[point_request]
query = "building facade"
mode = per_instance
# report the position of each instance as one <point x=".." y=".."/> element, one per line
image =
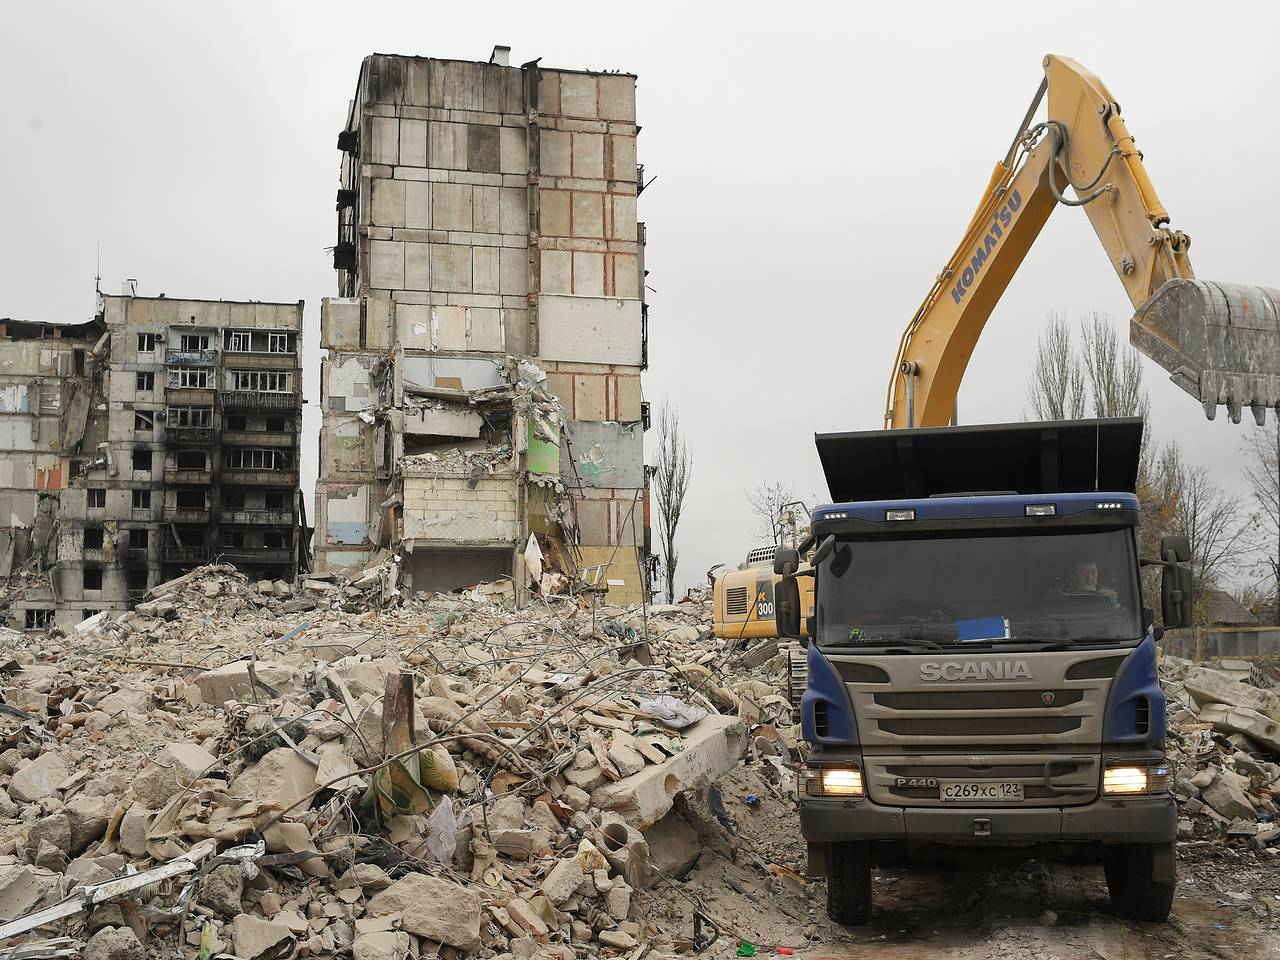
<point x="179" y="445"/>
<point x="482" y="406"/>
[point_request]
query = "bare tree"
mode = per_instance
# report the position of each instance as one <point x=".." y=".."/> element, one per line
<point x="1057" y="387"/>
<point x="1262" y="469"/>
<point x="766" y="502"/>
<point x="1114" y="373"/>
<point x="670" y="484"/>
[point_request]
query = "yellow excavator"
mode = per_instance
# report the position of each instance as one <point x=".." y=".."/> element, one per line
<point x="1220" y="342"/>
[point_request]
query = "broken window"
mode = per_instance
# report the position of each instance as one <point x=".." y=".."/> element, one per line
<point x="233" y="499"/>
<point x="137" y="578"/>
<point x="145" y="382"/>
<point x="77" y="357"/>
<point x="237" y="423"/>
<point x="262" y="381"/>
<point x="96" y="498"/>
<point x="256" y="458"/>
<point x="88" y="612"/>
<point x="139" y="538"/>
<point x="77" y="468"/>
<point x="141" y="499"/>
<point x="143" y="421"/>
<point x="194" y="378"/>
<point x="273" y="540"/>
<point x="195" y="341"/>
<point x="142" y="460"/>
<point x="39" y="619"/>
<point x="190" y="460"/>
<point x="190" y="417"/>
<point x="146" y="343"/>
<point x="233" y="539"/>
<point x="93" y="538"/>
<point x="190" y="499"/>
<point x="277" y="343"/>
<point x="275" y="424"/>
<point x="92" y="577"/>
<point x="239" y="341"/>
<point x="273" y="500"/>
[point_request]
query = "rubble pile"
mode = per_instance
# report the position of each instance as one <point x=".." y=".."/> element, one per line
<point x="267" y="772"/>
<point x="1224" y="734"/>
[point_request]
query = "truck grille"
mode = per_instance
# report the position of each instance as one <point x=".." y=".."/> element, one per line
<point x="979" y="700"/>
<point x="951" y="727"/>
<point x="1074" y="779"/>
<point x="736" y="601"/>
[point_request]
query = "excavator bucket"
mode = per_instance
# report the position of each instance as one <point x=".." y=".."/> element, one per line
<point x="1219" y="341"/>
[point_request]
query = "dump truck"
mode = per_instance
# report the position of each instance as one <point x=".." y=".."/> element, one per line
<point x="981" y="660"/>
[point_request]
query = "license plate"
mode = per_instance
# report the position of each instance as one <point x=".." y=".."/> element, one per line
<point x="980" y="791"/>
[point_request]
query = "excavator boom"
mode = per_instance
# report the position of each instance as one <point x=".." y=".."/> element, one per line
<point x="1220" y="342"/>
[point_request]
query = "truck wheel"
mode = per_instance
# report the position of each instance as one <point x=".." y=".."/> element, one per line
<point x="849" y="884"/>
<point x="1135" y="892"/>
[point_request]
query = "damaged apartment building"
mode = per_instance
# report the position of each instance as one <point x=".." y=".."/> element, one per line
<point x="482" y="407"/>
<point x="161" y="436"/>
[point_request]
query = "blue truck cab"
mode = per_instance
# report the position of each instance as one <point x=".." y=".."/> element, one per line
<point x="981" y="664"/>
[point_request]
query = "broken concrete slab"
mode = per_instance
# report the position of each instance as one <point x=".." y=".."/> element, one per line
<point x="231" y="681"/>
<point x="673" y="845"/>
<point x="255" y="938"/>
<point x="114" y="943"/>
<point x="385" y="945"/>
<point x="281" y="777"/>
<point x="563" y="880"/>
<point x="173" y="769"/>
<point x="23" y="888"/>
<point x="1211" y="686"/>
<point x="712" y="747"/>
<point x="39" y="778"/>
<point x="1254" y="725"/>
<point x="430" y="907"/>
<point x="1228" y="795"/>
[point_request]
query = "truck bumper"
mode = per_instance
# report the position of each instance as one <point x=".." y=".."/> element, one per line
<point x="1145" y="820"/>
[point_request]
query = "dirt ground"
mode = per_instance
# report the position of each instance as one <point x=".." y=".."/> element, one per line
<point x="1228" y="902"/>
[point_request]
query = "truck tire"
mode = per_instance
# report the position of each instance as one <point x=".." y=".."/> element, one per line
<point x="1135" y="892"/>
<point x="849" y="883"/>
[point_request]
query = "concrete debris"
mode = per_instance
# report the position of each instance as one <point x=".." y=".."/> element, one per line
<point x="536" y="801"/>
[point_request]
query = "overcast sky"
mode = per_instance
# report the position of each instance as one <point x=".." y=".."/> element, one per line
<point x="815" y="166"/>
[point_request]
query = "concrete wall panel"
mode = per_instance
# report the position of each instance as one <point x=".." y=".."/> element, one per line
<point x="603" y="454"/>
<point x="590" y="330"/>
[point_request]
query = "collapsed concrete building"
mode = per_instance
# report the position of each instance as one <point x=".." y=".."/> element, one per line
<point x="482" y="406"/>
<point x="161" y="436"/>
<point x="45" y="373"/>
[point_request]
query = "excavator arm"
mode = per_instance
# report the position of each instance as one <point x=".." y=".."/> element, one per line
<point x="1220" y="342"/>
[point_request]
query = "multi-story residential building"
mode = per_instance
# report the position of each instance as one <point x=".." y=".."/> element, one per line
<point x="481" y="397"/>
<point x="189" y="454"/>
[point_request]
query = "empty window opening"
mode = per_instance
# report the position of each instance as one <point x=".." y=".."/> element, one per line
<point x="190" y="499"/>
<point x="92" y="578"/>
<point x="190" y="460"/>
<point x="143" y="421"/>
<point x="273" y="501"/>
<point x="233" y="499"/>
<point x="77" y="358"/>
<point x="93" y="538"/>
<point x="142" y="460"/>
<point x="96" y="498"/>
<point x="136" y="578"/>
<point x="139" y="539"/>
<point x="195" y="341"/>
<point x="77" y="468"/>
<point x="141" y="499"/>
<point x="88" y="612"/>
<point x="39" y="619"/>
<point x="275" y="424"/>
<point x="237" y="423"/>
<point x="273" y="540"/>
<point x="233" y="539"/>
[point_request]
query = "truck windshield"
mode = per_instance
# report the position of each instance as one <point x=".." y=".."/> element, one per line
<point x="958" y="589"/>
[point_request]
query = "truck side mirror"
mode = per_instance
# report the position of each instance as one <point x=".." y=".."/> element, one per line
<point x="786" y="561"/>
<point x="786" y="607"/>
<point x="1175" y="596"/>
<point x="824" y="550"/>
<point x="1180" y="547"/>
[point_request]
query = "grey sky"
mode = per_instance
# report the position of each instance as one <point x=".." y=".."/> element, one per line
<point x="815" y="165"/>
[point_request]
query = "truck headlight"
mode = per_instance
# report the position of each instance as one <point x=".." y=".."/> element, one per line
<point x="1123" y="777"/>
<point x="831" y="781"/>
